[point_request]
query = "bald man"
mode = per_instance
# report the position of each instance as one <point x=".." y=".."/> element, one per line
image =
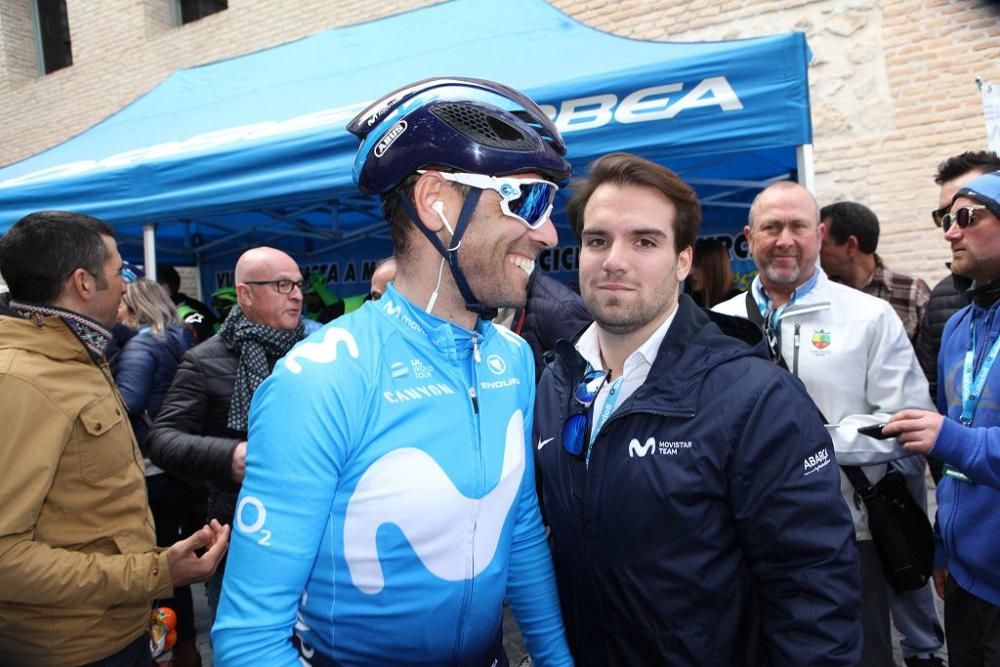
<point x="384" y="273"/>
<point x="201" y="430"/>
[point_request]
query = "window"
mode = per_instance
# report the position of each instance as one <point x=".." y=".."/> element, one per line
<point x="52" y="28"/>
<point x="192" y="10"/>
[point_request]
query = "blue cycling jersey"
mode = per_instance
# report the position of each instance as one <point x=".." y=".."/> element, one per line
<point x="389" y="501"/>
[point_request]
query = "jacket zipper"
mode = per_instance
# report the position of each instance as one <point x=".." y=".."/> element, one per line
<point x="795" y="350"/>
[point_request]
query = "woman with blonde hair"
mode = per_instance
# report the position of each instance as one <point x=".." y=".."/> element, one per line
<point x="144" y="370"/>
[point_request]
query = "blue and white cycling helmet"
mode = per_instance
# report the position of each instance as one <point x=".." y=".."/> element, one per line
<point x="473" y="126"/>
<point x="470" y="125"/>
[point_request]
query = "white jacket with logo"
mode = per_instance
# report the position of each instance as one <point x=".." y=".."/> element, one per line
<point x="852" y="353"/>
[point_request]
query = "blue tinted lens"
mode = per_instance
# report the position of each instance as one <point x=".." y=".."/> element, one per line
<point x="572" y="435"/>
<point x="533" y="203"/>
<point x="591" y="383"/>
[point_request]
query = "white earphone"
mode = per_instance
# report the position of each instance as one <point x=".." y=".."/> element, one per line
<point x="438" y="207"/>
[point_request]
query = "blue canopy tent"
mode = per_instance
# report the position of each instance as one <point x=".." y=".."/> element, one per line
<point x="253" y="149"/>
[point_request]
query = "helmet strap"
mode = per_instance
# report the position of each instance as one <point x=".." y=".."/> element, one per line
<point x="451" y="254"/>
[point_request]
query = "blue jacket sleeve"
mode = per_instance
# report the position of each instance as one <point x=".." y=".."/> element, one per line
<point x="531" y="585"/>
<point x="134" y="376"/>
<point x="278" y="531"/>
<point x="975" y="451"/>
<point x="796" y="529"/>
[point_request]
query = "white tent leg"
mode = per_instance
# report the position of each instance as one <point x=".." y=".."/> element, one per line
<point x="149" y="250"/>
<point x="804" y="163"/>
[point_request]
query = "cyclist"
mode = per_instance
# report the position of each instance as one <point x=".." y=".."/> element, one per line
<point x="389" y="503"/>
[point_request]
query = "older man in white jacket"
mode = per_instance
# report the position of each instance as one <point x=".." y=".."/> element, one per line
<point x="848" y="348"/>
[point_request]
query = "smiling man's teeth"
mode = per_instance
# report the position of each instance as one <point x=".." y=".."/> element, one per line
<point x="526" y="265"/>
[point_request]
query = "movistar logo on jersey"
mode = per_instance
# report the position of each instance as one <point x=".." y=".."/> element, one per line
<point x="409" y="489"/>
<point x="323" y="352"/>
<point x="396" y="311"/>
<point x="418" y="393"/>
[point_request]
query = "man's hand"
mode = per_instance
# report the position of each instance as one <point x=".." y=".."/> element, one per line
<point x="916" y="430"/>
<point x="940" y="578"/>
<point x="239" y="464"/>
<point x="187" y="567"/>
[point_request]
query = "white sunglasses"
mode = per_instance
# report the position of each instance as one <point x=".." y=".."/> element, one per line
<point x="529" y="200"/>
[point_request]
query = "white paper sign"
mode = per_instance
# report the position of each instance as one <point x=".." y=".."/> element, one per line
<point x="991" y="111"/>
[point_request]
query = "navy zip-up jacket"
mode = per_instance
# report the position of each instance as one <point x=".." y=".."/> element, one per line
<point x="727" y="541"/>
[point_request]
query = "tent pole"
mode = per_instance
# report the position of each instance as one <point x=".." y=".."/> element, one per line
<point x="804" y="164"/>
<point x="149" y="249"/>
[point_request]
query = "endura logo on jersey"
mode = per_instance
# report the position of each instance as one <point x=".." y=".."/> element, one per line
<point x="409" y="489"/>
<point x="324" y="352"/>
<point x="496" y="364"/>
<point x="417" y="393"/>
<point x="816" y="461"/>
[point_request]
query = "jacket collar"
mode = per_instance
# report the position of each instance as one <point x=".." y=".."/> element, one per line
<point x="697" y="341"/>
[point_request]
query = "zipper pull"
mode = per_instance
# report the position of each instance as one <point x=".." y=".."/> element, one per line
<point x="795" y="339"/>
<point x="475" y="349"/>
<point x="475" y="401"/>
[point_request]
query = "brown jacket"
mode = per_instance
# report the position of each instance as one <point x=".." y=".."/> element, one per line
<point x="78" y="569"/>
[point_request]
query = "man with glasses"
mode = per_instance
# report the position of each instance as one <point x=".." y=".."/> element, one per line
<point x="966" y="437"/>
<point x="849" y="256"/>
<point x="79" y="567"/>
<point x="948" y="296"/>
<point x="200" y="432"/>
<point x="389" y="503"/>
<point x="690" y="485"/>
<point x="849" y="349"/>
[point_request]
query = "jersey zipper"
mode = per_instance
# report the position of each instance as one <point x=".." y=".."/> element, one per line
<point x="469" y="595"/>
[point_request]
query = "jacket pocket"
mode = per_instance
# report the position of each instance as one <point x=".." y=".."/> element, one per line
<point x="105" y="445"/>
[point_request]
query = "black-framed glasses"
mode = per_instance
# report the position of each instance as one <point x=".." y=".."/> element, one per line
<point x="939" y="213"/>
<point x="283" y="286"/>
<point x="963" y="217"/>
<point x="574" y="432"/>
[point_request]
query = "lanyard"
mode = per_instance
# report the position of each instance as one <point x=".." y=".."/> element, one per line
<point x="771" y="315"/>
<point x="606" y="410"/>
<point x="973" y="385"/>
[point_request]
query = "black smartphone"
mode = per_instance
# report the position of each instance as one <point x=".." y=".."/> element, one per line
<point x="875" y="431"/>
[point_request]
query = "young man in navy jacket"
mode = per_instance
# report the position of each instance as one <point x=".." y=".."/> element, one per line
<point x="690" y="485"/>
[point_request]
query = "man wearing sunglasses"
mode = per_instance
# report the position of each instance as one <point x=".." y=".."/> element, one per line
<point x="389" y="504"/>
<point x="964" y="435"/>
<point x="948" y="296"/>
<point x="689" y="484"/>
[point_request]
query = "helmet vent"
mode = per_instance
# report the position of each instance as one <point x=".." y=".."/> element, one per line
<point x="484" y="128"/>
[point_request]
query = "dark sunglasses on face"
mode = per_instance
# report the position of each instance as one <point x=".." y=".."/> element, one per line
<point x="963" y="217"/>
<point x="575" y="427"/>
<point x="283" y="286"/>
<point x="939" y="213"/>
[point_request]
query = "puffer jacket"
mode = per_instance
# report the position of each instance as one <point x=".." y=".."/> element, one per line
<point x="708" y="528"/>
<point x="553" y="312"/>
<point x="78" y="567"/>
<point x="947" y="298"/>
<point x="144" y="370"/>
<point x="189" y="437"/>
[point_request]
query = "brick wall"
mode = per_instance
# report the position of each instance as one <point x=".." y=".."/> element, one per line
<point x="892" y="81"/>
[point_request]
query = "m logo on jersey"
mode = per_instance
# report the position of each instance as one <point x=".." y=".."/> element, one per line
<point x="410" y="490"/>
<point x="324" y="352"/>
